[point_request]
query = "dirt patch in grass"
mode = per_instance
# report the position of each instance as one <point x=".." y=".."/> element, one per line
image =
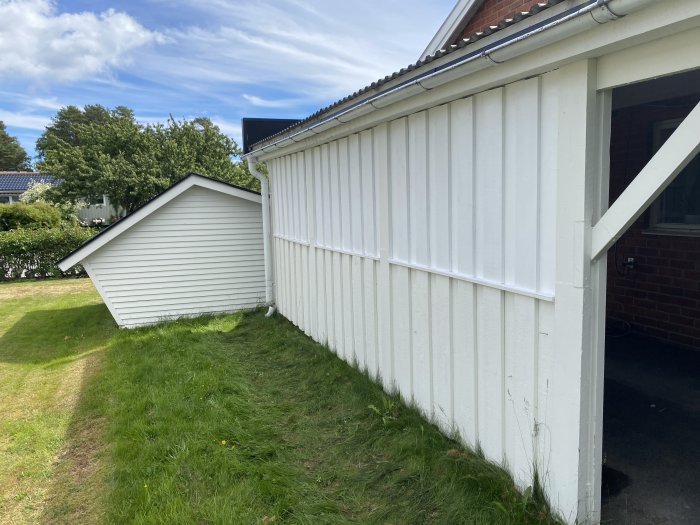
<point x="76" y="495"/>
<point x="43" y="444"/>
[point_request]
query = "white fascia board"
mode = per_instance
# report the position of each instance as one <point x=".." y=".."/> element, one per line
<point x="168" y="195"/>
<point x="458" y="18"/>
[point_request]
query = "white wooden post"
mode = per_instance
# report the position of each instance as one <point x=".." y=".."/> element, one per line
<point x="573" y="388"/>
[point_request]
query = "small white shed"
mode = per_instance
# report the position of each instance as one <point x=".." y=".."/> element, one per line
<point x="195" y="249"/>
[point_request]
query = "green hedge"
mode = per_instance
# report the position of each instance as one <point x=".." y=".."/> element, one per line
<point x="21" y="215"/>
<point x="30" y="253"/>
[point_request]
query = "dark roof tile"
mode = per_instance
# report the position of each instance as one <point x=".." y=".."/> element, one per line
<point x="18" y="181"/>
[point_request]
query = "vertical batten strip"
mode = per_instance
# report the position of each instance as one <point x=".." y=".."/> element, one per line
<point x="418" y="189"/>
<point x="382" y="171"/>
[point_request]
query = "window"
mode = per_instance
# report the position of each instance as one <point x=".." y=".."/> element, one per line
<point x="677" y="210"/>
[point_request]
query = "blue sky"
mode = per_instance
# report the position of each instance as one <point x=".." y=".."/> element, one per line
<point x="216" y="58"/>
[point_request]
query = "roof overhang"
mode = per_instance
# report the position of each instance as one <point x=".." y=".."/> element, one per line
<point x="453" y="25"/>
<point x="569" y="31"/>
<point x="192" y="180"/>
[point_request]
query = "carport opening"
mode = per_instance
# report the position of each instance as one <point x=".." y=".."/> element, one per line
<point x="651" y="418"/>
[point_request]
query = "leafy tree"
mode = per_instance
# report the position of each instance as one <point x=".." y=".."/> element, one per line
<point x="116" y="156"/>
<point x="64" y="126"/>
<point x="12" y="154"/>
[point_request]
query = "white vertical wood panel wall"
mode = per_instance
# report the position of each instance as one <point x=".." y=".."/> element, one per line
<point x="458" y="315"/>
<point x="200" y="253"/>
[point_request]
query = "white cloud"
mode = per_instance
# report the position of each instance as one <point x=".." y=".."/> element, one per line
<point x="232" y="129"/>
<point x="37" y="42"/>
<point x="266" y="103"/>
<point x="45" y="103"/>
<point x="284" y="53"/>
<point x="24" y="120"/>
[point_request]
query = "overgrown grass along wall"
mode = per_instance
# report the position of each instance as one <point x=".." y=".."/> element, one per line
<point x="233" y="419"/>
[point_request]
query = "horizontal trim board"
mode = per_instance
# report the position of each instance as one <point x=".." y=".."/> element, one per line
<point x="475" y="280"/>
<point x="346" y="252"/>
<point x="328" y="249"/>
<point x="289" y="239"/>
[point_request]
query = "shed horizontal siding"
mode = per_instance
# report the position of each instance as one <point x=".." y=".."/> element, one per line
<point x="200" y="253"/>
<point x="453" y="305"/>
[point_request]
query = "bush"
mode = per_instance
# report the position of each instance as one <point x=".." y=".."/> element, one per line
<point x="39" y="191"/>
<point x="34" y="252"/>
<point x="20" y="215"/>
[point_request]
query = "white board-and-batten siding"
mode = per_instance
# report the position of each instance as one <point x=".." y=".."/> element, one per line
<point x="202" y="252"/>
<point x="423" y="250"/>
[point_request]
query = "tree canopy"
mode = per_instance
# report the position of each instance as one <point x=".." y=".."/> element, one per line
<point x="12" y="154"/>
<point x="96" y="151"/>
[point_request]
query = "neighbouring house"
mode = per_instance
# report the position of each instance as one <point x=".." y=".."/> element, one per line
<point x="448" y="227"/>
<point x="195" y="248"/>
<point x="14" y="183"/>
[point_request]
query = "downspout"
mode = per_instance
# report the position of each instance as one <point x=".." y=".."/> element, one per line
<point x="267" y="234"/>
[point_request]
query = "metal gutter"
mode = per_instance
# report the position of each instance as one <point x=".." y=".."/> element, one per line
<point x="554" y="29"/>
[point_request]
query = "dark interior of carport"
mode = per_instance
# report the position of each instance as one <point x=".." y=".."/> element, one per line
<point x="651" y="428"/>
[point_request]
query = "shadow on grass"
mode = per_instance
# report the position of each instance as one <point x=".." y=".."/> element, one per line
<point x="233" y="419"/>
<point x="115" y="411"/>
<point x="49" y="337"/>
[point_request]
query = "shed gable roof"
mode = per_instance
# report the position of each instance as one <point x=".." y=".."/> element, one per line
<point x="193" y="179"/>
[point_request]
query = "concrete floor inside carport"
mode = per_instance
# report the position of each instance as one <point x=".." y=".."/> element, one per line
<point x="651" y="433"/>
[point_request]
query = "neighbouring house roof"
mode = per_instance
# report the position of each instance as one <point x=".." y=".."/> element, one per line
<point x="423" y="65"/>
<point x="116" y="229"/>
<point x="18" y="181"/>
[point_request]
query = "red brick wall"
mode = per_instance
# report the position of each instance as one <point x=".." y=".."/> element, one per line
<point x="661" y="297"/>
<point x="495" y="11"/>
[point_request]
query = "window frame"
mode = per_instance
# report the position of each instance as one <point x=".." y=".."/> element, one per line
<point x="655" y="226"/>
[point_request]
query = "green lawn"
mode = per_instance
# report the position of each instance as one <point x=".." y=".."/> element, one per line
<point x="233" y="420"/>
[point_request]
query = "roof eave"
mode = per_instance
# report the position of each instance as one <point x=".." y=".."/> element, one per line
<point x="446" y="66"/>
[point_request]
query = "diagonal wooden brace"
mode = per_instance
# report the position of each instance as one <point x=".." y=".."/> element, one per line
<point x="678" y="151"/>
